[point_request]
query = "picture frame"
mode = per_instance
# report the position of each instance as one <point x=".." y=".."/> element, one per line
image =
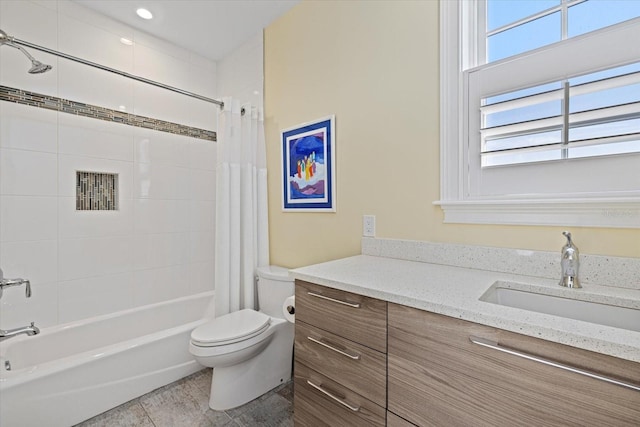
<point x="308" y="166"/>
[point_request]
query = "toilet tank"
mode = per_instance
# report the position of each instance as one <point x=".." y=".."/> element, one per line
<point x="274" y="286"/>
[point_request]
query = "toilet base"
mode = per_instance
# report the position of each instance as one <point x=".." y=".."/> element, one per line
<point x="235" y="385"/>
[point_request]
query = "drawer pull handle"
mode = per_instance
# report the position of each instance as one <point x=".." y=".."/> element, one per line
<point x="332" y="396"/>
<point x="496" y="346"/>
<point x="337" y="350"/>
<point x="349" y="304"/>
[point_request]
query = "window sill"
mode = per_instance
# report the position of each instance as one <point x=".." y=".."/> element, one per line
<point x="609" y="212"/>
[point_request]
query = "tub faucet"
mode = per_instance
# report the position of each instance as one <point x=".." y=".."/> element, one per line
<point x="10" y="333"/>
<point x="570" y="263"/>
<point x="7" y="283"/>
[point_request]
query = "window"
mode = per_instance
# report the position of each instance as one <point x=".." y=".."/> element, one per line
<point x="540" y="120"/>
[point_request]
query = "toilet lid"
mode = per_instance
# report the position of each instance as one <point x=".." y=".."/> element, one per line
<point x="230" y="328"/>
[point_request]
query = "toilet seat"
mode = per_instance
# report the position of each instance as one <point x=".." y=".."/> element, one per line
<point x="231" y="328"/>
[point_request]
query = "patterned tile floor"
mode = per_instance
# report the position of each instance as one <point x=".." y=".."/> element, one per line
<point x="185" y="403"/>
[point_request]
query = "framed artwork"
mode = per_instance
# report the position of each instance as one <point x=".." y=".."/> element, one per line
<point x="308" y="167"/>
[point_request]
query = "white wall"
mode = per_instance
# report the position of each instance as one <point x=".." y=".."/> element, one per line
<point x="160" y="243"/>
<point x="241" y="73"/>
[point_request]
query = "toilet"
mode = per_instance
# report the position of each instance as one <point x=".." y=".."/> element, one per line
<point x="250" y="351"/>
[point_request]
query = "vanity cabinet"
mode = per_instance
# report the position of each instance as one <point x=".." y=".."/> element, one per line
<point x="438" y="376"/>
<point x="361" y="361"/>
<point x="340" y="371"/>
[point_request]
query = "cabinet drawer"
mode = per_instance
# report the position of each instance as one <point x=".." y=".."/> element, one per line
<point x="355" y="366"/>
<point x="395" y="421"/>
<point x="355" y="317"/>
<point x="437" y="376"/>
<point x="317" y="403"/>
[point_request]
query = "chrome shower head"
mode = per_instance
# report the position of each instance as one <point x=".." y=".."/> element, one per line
<point x="37" y="67"/>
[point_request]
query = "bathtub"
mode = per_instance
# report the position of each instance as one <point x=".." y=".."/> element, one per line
<point x="69" y="373"/>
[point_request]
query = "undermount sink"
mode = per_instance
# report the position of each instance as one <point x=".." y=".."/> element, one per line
<point x="602" y="313"/>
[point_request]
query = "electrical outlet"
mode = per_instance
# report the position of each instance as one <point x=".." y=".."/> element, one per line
<point x="369" y="225"/>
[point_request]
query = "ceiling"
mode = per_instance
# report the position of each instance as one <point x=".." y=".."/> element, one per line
<point x="211" y="28"/>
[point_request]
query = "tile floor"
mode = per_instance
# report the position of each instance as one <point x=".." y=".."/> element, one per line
<point x="185" y="403"/>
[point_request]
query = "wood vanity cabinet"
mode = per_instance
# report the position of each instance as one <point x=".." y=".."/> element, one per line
<point x="438" y="377"/>
<point x="340" y="371"/>
<point x="360" y="361"/>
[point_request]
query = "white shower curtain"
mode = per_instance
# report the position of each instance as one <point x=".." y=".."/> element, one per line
<point x="242" y="234"/>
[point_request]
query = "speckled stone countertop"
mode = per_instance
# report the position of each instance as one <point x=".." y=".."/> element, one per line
<point x="455" y="291"/>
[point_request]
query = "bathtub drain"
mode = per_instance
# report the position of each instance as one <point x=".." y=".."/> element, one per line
<point x="7" y="365"/>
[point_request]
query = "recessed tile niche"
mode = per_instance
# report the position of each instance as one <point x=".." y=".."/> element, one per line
<point x="96" y="191"/>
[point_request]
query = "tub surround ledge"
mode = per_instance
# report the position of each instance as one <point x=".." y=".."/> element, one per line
<point x="455" y="291"/>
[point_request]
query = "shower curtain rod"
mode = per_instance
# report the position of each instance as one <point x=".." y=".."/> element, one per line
<point x="118" y="72"/>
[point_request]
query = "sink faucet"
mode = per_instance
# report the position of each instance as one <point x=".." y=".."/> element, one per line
<point x="10" y="333"/>
<point x="570" y="263"/>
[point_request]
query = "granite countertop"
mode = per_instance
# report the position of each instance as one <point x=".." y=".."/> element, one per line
<point x="455" y="292"/>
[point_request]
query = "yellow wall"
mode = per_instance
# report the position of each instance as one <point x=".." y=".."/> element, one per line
<point x="374" y="64"/>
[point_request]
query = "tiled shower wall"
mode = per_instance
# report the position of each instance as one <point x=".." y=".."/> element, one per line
<point x="159" y="244"/>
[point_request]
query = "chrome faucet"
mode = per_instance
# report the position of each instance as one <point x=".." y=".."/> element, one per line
<point x="570" y="262"/>
<point x="10" y="333"/>
<point x="7" y="283"/>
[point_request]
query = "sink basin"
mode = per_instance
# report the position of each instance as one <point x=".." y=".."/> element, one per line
<point x="600" y="313"/>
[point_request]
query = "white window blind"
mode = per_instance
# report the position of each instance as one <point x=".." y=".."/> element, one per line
<point x="542" y="118"/>
<point x="548" y="133"/>
<point x="597" y="114"/>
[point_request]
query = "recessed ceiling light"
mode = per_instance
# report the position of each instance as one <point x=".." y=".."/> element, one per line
<point x="126" y="41"/>
<point x="144" y="13"/>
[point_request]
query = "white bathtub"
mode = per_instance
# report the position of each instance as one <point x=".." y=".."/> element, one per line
<point x="72" y="372"/>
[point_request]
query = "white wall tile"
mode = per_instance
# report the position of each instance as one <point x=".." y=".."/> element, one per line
<point x="81" y="83"/>
<point x="151" y="101"/>
<point x="89" y="297"/>
<point x="83" y="14"/>
<point x="155" y="65"/>
<point x="160" y="284"/>
<point x="36" y="261"/>
<point x="28" y="128"/>
<point x="203" y="154"/>
<point x="202" y="78"/>
<point x="14" y="67"/>
<point x="28" y="173"/>
<point x="26" y="20"/>
<point x="202" y="276"/>
<point x="203" y="185"/>
<point x="202" y="246"/>
<point x="160" y="243"/>
<point x="160" y="216"/>
<point x="158" y="181"/>
<point x="160" y="250"/>
<point x="161" y="148"/>
<point x="161" y="46"/>
<point x="28" y="218"/>
<point x="69" y="165"/>
<point x="92" y="257"/>
<point x="83" y="136"/>
<point x="34" y="23"/>
<point x="202" y="215"/>
<point x="77" y="224"/>
<point x="41" y="308"/>
<point x="94" y="44"/>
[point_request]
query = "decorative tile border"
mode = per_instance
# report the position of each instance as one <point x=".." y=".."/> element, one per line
<point x="619" y="272"/>
<point x="25" y="97"/>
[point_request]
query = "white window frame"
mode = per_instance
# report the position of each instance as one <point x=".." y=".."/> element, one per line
<point x="458" y="47"/>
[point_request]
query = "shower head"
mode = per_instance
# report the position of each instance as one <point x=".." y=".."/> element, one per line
<point x="37" y="67"/>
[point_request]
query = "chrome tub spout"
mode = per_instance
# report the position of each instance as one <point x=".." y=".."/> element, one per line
<point x="10" y="333"/>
